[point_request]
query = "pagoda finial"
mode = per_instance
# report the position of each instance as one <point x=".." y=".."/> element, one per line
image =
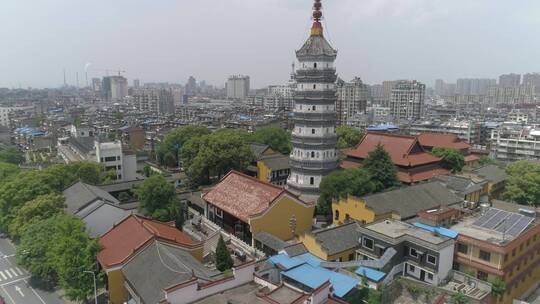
<point x="316" y="28"/>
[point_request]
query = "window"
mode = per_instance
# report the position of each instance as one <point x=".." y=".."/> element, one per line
<point x="110" y="158"/>
<point x="462" y="248"/>
<point x="430" y="276"/>
<point x="311" y="181"/>
<point x="413" y="252"/>
<point x="481" y="275"/>
<point x="431" y="259"/>
<point x="368" y="243"/>
<point x="312" y="154"/>
<point x="219" y="213"/>
<point x="336" y="217"/>
<point x="347" y="217"/>
<point x="351" y="257"/>
<point x="484" y="255"/>
<point x="119" y="167"/>
<point x="312" y="131"/>
<point x="314" y="108"/>
<point x="314" y="86"/>
<point x="514" y="252"/>
<point x="411" y="268"/>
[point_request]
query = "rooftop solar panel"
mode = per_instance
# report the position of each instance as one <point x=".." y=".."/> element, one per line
<point x="484" y="218"/>
<point x="496" y="219"/>
<point x="520" y="226"/>
<point x="509" y="222"/>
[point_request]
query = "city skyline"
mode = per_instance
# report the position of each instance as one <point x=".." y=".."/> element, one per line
<point x="169" y="41"/>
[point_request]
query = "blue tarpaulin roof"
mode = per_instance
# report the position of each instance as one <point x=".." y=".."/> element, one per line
<point x="286" y="261"/>
<point x="370" y="274"/>
<point x="440" y="230"/>
<point x="314" y="277"/>
<point x="310" y="259"/>
<point x="382" y="127"/>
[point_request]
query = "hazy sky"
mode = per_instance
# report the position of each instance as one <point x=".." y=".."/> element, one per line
<point x="168" y="40"/>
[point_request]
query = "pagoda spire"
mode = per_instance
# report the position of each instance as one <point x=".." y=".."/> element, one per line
<point x="316" y="28"/>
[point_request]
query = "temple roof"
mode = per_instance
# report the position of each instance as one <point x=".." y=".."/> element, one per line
<point x="316" y="46"/>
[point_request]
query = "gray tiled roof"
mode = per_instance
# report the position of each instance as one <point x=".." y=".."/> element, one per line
<point x="161" y="265"/>
<point x="80" y="194"/>
<point x="102" y="218"/>
<point x="407" y="201"/>
<point x="492" y="173"/>
<point x="277" y="162"/>
<point x="316" y="46"/>
<point x="83" y="144"/>
<point x="338" y="239"/>
<point x="462" y="185"/>
<point x="270" y="240"/>
<point x="296" y="249"/>
<point x="258" y="149"/>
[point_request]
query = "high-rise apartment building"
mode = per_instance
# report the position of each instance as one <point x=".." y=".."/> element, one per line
<point x="159" y="101"/>
<point x="533" y="80"/>
<point x="114" y="87"/>
<point x="407" y="100"/>
<point x="474" y="86"/>
<point x="351" y="99"/>
<point x="314" y="134"/>
<point x="136" y="83"/>
<point x="509" y="80"/>
<point x="96" y="84"/>
<point x="238" y="87"/>
<point x="191" y="86"/>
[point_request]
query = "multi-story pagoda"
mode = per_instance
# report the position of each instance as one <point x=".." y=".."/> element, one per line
<point x="314" y="135"/>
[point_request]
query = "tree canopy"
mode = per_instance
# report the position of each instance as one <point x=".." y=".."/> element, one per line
<point x="523" y="183"/>
<point x="215" y="154"/>
<point x="223" y="256"/>
<point x="11" y="155"/>
<point x="348" y="137"/>
<point x="27" y="185"/>
<point x="154" y="194"/>
<point x="42" y="207"/>
<point x="58" y="250"/>
<point x="451" y="159"/>
<point x="339" y="184"/>
<point x="277" y="138"/>
<point x="381" y="168"/>
<point x="7" y="170"/>
<point x="169" y="149"/>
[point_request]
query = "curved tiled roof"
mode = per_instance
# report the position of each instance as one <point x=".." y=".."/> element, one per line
<point x="438" y="140"/>
<point x="404" y="150"/>
<point x="128" y="236"/>
<point x="316" y="46"/>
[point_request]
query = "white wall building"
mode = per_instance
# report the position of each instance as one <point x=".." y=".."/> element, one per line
<point x="237" y="87"/>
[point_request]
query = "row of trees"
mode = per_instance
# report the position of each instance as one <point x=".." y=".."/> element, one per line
<point x="53" y="246"/>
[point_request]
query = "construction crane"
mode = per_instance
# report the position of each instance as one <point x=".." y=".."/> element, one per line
<point x="119" y="71"/>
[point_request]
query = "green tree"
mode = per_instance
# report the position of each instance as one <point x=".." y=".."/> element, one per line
<point x="170" y="160"/>
<point x="88" y="172"/>
<point x="215" y="154"/>
<point x="147" y="170"/>
<point x="523" y="183"/>
<point x="451" y="159"/>
<point x="486" y="160"/>
<point x="124" y="197"/>
<point x="42" y="207"/>
<point x="177" y="214"/>
<point x="459" y="298"/>
<point x="154" y="194"/>
<point x="11" y="155"/>
<point x="498" y="287"/>
<point x="7" y="170"/>
<point x="33" y="251"/>
<point x="381" y="168"/>
<point x="339" y="184"/>
<point x="224" y="260"/>
<point x="277" y="138"/>
<point x="347" y="137"/>
<point x="73" y="253"/>
<point x="175" y="140"/>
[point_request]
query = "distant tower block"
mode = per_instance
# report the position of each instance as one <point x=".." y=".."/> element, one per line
<point x="314" y="135"/>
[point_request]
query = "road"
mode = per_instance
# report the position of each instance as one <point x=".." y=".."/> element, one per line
<point x="14" y="281"/>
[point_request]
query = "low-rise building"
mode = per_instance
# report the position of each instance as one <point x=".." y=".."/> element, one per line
<point x="466" y="188"/>
<point x="497" y="244"/>
<point x="513" y="142"/>
<point x="403" y="203"/>
<point x="245" y="206"/>
<point x="417" y="253"/>
<point x="336" y="244"/>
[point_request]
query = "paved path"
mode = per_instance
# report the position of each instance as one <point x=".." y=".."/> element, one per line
<point x="14" y="281"/>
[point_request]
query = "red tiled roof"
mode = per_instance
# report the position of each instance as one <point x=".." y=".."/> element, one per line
<point x="408" y="178"/>
<point x="346" y="164"/>
<point x="132" y="233"/>
<point x="242" y="196"/>
<point x="437" y="140"/>
<point x="404" y="150"/>
<point x="471" y="158"/>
